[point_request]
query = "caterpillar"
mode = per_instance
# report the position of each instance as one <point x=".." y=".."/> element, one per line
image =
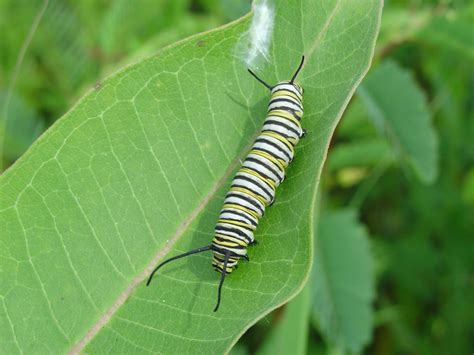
<point x="253" y="187"/>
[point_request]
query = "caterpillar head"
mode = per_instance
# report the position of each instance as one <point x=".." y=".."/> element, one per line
<point x="287" y="84"/>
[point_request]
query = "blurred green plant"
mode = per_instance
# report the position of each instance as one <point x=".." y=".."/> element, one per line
<point x="343" y="281"/>
<point x="75" y="46"/>
<point x="415" y="107"/>
<point x="140" y="165"/>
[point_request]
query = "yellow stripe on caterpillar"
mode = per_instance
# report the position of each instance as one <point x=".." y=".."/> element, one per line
<point x="282" y="93"/>
<point x="284" y="114"/>
<point x="257" y="175"/>
<point x="281" y="164"/>
<point x="251" y="193"/>
<point x="242" y="208"/>
<point x="280" y="138"/>
<point x="237" y="223"/>
<point x="227" y="244"/>
<point x="239" y="241"/>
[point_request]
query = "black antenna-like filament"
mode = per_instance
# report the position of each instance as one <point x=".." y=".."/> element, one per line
<point x="297" y="70"/>
<point x="260" y="80"/>
<point x="226" y="259"/>
<point x="291" y="81"/>
<point x="195" y="251"/>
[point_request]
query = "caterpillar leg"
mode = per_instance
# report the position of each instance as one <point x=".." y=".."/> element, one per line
<point x="303" y="134"/>
<point x="255" y="242"/>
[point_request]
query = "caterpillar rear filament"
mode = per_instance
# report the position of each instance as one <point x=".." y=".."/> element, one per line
<point x="253" y="187"/>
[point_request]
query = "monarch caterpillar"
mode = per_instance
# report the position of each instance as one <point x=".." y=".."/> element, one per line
<point x="253" y="187"/>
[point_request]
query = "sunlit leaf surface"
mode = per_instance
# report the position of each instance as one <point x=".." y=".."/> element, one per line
<point x="138" y="169"/>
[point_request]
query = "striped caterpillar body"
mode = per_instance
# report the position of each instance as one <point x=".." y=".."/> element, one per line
<point x="253" y="187"/>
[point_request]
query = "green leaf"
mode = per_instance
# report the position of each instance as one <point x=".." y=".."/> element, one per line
<point x="290" y="335"/>
<point x="138" y="170"/>
<point x="233" y="9"/>
<point x="184" y="26"/>
<point x="22" y="128"/>
<point x="343" y="281"/>
<point x="468" y="187"/>
<point x="354" y="125"/>
<point x="398" y="107"/>
<point x="400" y="24"/>
<point x="121" y="33"/>
<point x="238" y="349"/>
<point x="361" y="153"/>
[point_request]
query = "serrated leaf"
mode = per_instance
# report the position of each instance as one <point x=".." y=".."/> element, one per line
<point x="398" y="107"/>
<point x="343" y="281"/>
<point x="138" y="169"/>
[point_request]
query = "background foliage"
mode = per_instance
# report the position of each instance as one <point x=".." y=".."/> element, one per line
<point x="393" y="270"/>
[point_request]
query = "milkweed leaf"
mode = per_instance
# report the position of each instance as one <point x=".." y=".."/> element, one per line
<point x="138" y="169"/>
